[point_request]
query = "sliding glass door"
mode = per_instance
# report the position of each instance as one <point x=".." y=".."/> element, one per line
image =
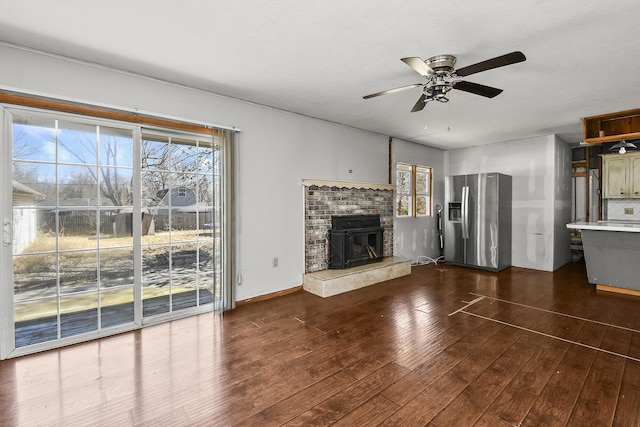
<point x="112" y="226"/>
<point x="178" y="257"/>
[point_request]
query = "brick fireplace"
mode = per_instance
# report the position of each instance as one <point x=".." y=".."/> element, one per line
<point x="324" y="199"/>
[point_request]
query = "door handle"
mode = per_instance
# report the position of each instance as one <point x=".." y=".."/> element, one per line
<point x="7" y="232"/>
<point x="465" y="212"/>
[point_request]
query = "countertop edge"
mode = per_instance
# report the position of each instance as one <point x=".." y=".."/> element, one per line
<point x="584" y="225"/>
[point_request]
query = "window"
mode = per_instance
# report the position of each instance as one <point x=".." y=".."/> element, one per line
<point x="404" y="186"/>
<point x="413" y="190"/>
<point x="423" y="191"/>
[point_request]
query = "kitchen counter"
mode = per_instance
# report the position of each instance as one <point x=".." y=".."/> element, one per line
<point x="628" y="226"/>
<point x="611" y="253"/>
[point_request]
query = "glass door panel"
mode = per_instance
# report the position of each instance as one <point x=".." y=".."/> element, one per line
<point x="116" y="284"/>
<point x="36" y="321"/>
<point x="78" y="314"/>
<point x="177" y="189"/>
<point x="156" y="281"/>
<point x="116" y="306"/>
<point x="72" y="193"/>
<point x="184" y="278"/>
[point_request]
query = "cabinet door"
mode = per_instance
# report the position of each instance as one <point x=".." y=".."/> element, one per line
<point x="634" y="177"/>
<point x="615" y="178"/>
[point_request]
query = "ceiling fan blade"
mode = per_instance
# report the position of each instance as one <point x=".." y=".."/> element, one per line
<point x="477" y="89"/>
<point x="422" y="102"/>
<point x="418" y="65"/>
<point x="398" y="89"/>
<point x="489" y="64"/>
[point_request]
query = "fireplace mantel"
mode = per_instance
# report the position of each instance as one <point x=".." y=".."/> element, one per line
<point x="347" y="184"/>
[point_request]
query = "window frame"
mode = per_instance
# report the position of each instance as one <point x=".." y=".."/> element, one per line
<point x="404" y="167"/>
<point x="413" y="194"/>
<point x="428" y="190"/>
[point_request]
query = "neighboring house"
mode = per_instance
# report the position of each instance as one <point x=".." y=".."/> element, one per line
<point x="177" y="197"/>
<point x="182" y="203"/>
<point x="25" y="224"/>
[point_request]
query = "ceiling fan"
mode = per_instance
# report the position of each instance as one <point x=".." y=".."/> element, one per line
<point x="441" y="77"/>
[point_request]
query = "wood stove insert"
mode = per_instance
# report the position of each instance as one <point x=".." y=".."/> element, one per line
<point x="355" y="240"/>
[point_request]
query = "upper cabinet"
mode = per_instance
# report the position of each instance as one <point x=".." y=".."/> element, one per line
<point x="612" y="127"/>
<point x="621" y="176"/>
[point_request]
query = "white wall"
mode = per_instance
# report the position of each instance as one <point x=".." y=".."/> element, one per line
<point x="414" y="237"/>
<point x="538" y="210"/>
<point x="275" y="151"/>
<point x="562" y="203"/>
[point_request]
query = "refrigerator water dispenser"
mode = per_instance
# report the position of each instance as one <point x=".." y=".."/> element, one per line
<point x="455" y="211"/>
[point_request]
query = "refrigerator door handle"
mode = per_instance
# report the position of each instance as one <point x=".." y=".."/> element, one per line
<point x="465" y="212"/>
<point x="462" y="213"/>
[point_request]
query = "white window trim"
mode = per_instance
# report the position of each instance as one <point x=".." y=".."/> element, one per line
<point x="413" y="193"/>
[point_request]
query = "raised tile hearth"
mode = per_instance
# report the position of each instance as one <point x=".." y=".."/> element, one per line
<point x="327" y="283"/>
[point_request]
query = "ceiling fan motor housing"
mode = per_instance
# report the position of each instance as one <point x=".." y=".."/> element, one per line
<point x="441" y="62"/>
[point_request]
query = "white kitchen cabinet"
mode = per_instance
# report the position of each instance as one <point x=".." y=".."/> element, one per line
<point x="634" y="180"/>
<point x="621" y="176"/>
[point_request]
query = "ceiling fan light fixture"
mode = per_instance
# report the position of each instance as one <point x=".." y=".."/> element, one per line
<point x="623" y="146"/>
<point x="437" y="93"/>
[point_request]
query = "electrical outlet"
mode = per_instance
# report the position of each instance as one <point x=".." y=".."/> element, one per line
<point x="275" y="262"/>
<point x="628" y="211"/>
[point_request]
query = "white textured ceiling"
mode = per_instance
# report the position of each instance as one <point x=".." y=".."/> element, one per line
<point x="318" y="58"/>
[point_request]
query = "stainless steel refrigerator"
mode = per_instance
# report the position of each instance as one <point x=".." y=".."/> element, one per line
<point x="478" y="220"/>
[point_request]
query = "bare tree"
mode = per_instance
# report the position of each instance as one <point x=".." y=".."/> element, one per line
<point x="23" y="147"/>
<point x="178" y="164"/>
<point x="115" y="183"/>
<point x="181" y="163"/>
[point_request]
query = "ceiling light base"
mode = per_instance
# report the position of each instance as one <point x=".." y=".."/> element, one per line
<point x="441" y="62"/>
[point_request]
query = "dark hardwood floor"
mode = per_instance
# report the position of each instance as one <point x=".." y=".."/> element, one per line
<point x="445" y="346"/>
